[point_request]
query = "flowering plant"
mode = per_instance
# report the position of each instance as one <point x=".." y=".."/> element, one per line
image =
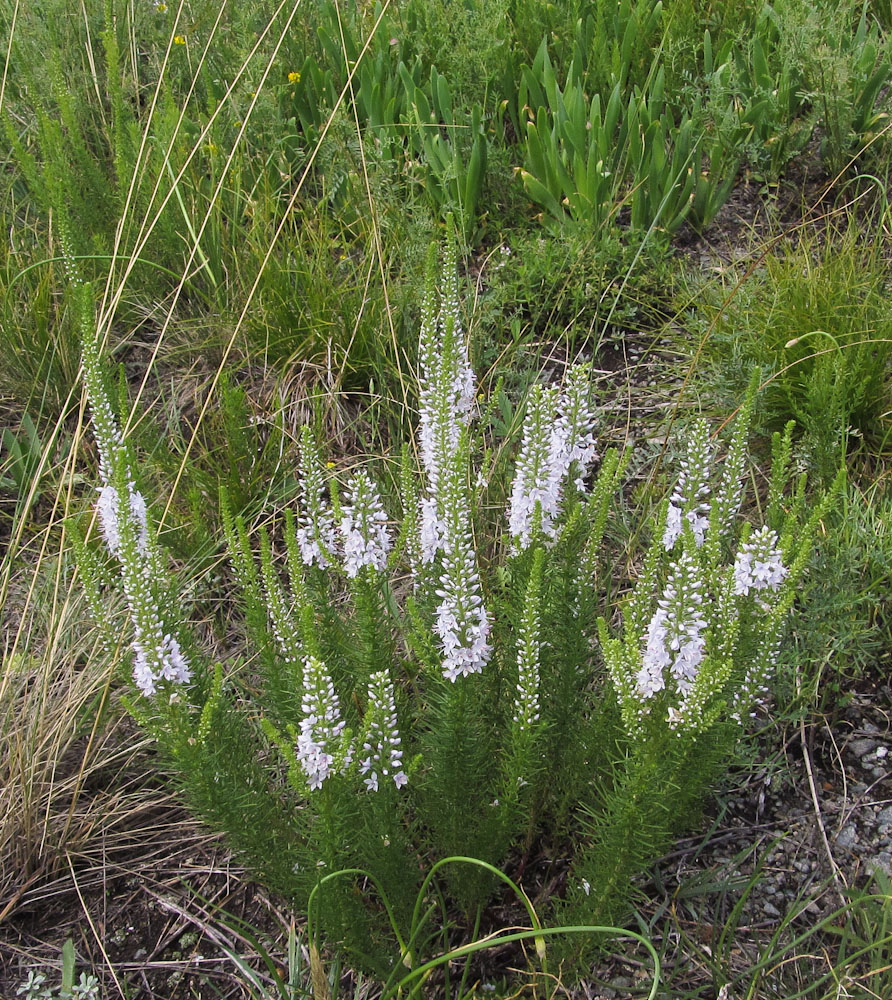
<point x="452" y="688"/>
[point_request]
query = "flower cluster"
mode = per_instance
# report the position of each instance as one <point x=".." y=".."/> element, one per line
<point x="758" y="565"/>
<point x="573" y="442"/>
<point x="557" y="436"/>
<point x="462" y="623"/>
<point x="675" y="635"/>
<point x="162" y="660"/>
<point x="322" y="727"/>
<point x="536" y="489"/>
<point x="708" y="645"/>
<point x="364" y="528"/>
<point x="688" y="501"/>
<point x="385" y="755"/>
<point x="123" y="520"/>
<point x="157" y="653"/>
<point x="316" y="534"/>
<point x="107" y="510"/>
<point x="446" y="383"/>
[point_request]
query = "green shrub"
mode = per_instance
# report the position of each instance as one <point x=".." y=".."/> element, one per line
<point x="815" y="317"/>
<point x="383" y="724"/>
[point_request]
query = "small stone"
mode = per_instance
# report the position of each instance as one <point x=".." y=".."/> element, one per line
<point x="770" y="909"/>
<point x="861" y="747"/>
<point x="882" y="752"/>
<point x="884" y="817"/>
<point x="847" y="837"/>
<point x="881" y="862"/>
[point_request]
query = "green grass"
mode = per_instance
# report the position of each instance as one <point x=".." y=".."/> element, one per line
<point x="258" y="242"/>
<point x="812" y="312"/>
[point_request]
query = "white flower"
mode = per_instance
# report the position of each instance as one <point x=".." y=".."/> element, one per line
<point x="698" y="518"/>
<point x="364" y="528"/>
<point x="385" y="755"/>
<point x="446" y="379"/>
<point x="573" y="439"/>
<point x="156" y="654"/>
<point x="655" y="659"/>
<point x="675" y="636"/>
<point x="107" y="506"/>
<point x="430" y="530"/>
<point x="758" y="565"/>
<point x="673" y="526"/>
<point x="462" y="623"/>
<point x="446" y="384"/>
<point x="688" y="500"/>
<point x="536" y="490"/>
<point x="123" y="521"/>
<point x="557" y="436"/>
<point x="321" y="727"/>
<point x="316" y="533"/>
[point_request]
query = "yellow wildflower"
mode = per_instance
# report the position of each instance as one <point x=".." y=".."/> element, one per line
<point x="179" y="39"/>
<point x="294" y="77"/>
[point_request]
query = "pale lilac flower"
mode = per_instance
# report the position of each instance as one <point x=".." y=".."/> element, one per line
<point x="383" y="746"/>
<point x="675" y="635"/>
<point x="454" y="352"/>
<point x="157" y="654"/>
<point x="573" y="438"/>
<point x="462" y="624"/>
<point x="758" y="565"/>
<point x="316" y="532"/>
<point x="557" y="436"/>
<point x="430" y="530"/>
<point x="688" y="501"/>
<point x="123" y="521"/>
<point x="463" y="628"/>
<point x="107" y="509"/>
<point x="536" y="489"/>
<point x="364" y="528"/>
<point x="651" y="677"/>
<point x="688" y="659"/>
<point x="446" y="379"/>
<point x="446" y="384"/>
<point x="163" y="662"/>
<point x="322" y="727"/>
